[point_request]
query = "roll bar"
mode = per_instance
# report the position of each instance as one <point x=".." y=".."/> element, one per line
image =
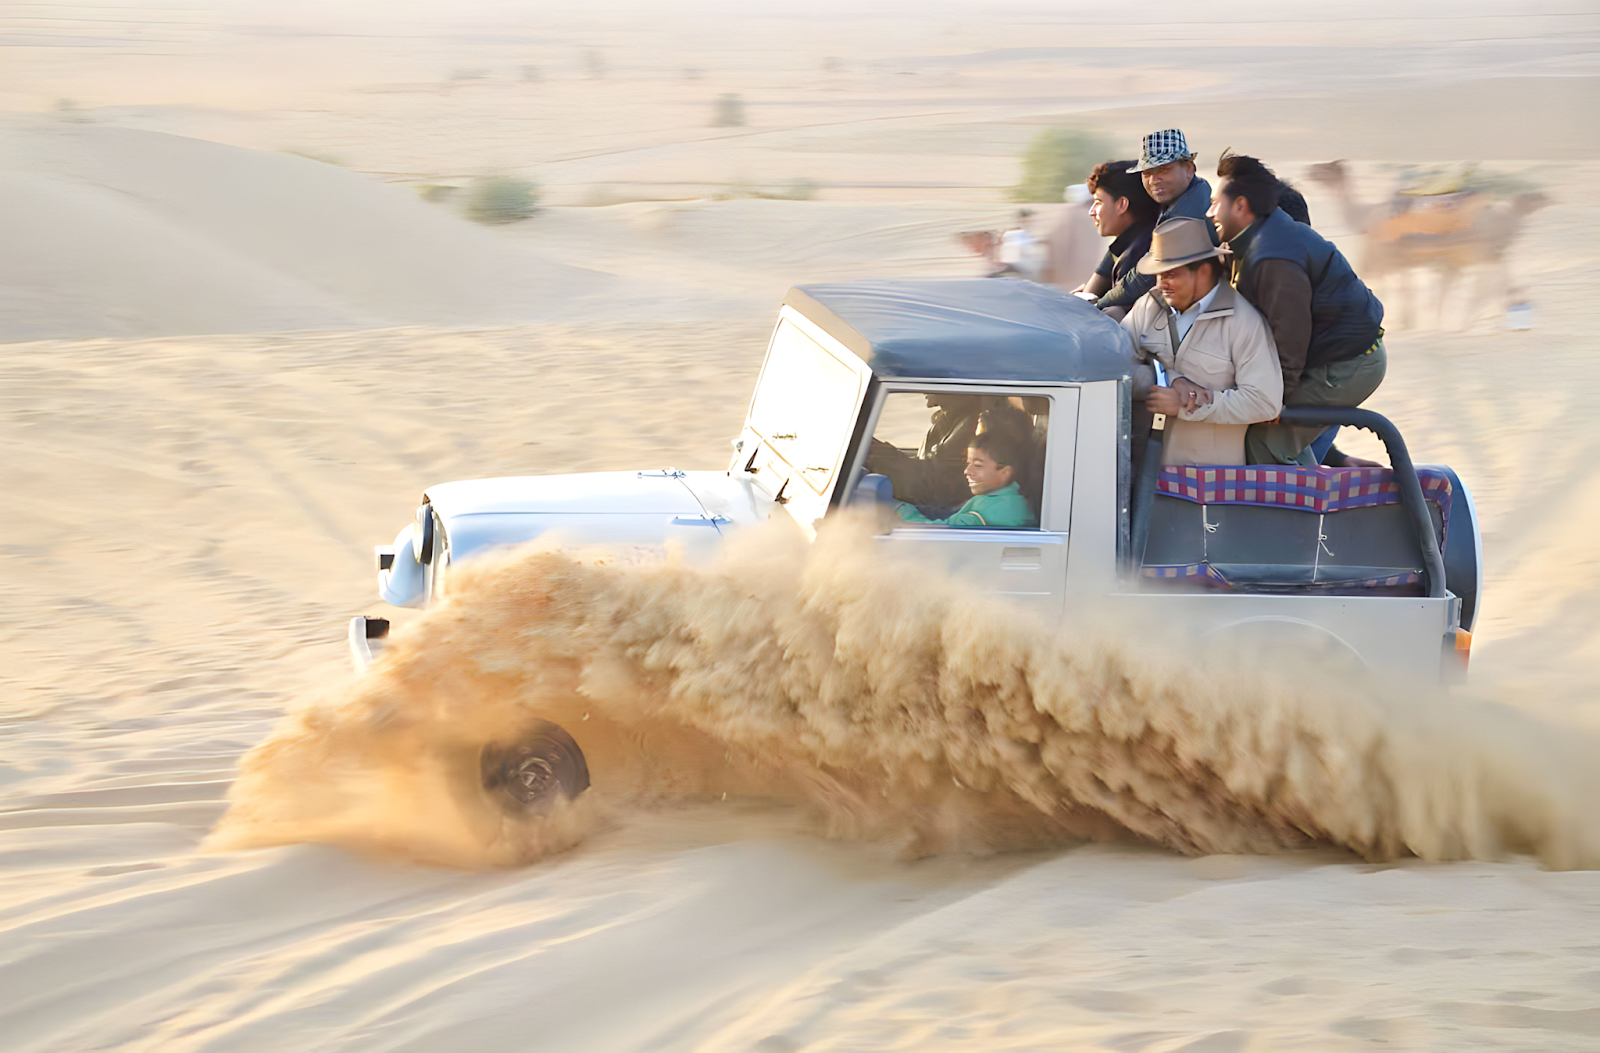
<point x="1405" y="475"/>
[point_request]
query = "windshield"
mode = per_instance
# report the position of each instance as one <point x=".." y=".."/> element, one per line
<point x="806" y="405"/>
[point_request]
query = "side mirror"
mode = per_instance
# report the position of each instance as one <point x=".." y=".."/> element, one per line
<point x="875" y="493"/>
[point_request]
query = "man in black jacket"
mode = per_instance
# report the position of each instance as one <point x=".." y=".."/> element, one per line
<point x="1327" y="324"/>
<point x="1166" y="165"/>
<point x="1124" y="212"/>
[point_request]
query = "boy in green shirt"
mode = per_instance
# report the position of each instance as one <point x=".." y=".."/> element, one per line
<point x="993" y="461"/>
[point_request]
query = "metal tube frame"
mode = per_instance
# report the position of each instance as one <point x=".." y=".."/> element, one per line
<point x="1405" y="475"/>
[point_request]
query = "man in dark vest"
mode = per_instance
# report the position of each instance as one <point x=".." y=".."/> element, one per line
<point x="1327" y="324"/>
<point x="1166" y="166"/>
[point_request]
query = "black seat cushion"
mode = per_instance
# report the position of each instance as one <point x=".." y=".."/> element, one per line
<point x="1266" y="527"/>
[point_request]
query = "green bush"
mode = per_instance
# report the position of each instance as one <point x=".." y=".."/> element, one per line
<point x="1057" y="158"/>
<point x="67" y="110"/>
<point x="798" y="190"/>
<point x="501" y="199"/>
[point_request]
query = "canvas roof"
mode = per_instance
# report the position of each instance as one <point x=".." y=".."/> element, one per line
<point x="968" y="329"/>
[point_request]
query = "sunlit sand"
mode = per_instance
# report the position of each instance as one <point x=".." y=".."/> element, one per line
<point x="240" y="340"/>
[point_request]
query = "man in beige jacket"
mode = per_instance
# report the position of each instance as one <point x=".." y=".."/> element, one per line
<point x="1215" y="346"/>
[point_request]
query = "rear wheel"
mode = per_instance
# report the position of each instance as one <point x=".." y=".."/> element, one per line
<point x="530" y="775"/>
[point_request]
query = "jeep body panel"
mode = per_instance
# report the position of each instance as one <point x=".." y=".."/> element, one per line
<point x="836" y="354"/>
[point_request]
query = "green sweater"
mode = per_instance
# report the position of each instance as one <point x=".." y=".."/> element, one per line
<point x="1005" y="507"/>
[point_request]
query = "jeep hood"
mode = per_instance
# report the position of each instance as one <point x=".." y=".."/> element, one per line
<point x="657" y="492"/>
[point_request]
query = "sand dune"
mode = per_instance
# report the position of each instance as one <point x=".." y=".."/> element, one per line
<point x="194" y="535"/>
<point x="122" y="232"/>
<point x="190" y="518"/>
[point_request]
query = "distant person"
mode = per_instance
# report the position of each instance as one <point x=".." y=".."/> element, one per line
<point x="993" y="462"/>
<point x="1167" y="167"/>
<point x="1124" y="212"/>
<point x="1074" y="245"/>
<point x="1326" y="323"/>
<point x="1019" y="252"/>
<point x="1214" y="345"/>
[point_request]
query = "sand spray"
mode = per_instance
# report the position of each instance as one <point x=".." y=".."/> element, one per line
<point x="896" y="705"/>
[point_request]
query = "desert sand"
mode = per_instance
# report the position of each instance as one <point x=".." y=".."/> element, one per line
<point x="238" y="343"/>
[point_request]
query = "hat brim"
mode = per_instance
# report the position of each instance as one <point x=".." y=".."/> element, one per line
<point x="1150" y="265"/>
<point x="1144" y="166"/>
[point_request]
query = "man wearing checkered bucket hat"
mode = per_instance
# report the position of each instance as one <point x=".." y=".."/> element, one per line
<point x="1167" y="167"/>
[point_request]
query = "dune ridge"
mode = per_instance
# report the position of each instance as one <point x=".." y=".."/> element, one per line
<point x="192" y="518"/>
<point x="125" y="232"/>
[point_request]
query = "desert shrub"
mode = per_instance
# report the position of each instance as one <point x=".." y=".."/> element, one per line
<point x="727" y="111"/>
<point x="1057" y="158"/>
<point x="501" y="199"/>
<point x="743" y="189"/>
<point x="67" y="110"/>
<point x="798" y="190"/>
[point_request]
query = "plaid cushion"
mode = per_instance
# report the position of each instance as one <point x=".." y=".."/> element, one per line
<point x="1291" y="486"/>
<point x="1175" y="571"/>
<point x="1213" y="576"/>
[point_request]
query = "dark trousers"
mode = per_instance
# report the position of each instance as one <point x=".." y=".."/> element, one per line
<point x="1346" y="383"/>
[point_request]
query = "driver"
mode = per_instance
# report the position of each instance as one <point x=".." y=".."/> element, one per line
<point x="933" y="477"/>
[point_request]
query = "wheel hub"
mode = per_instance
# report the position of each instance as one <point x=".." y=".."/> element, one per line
<point x="534" y="778"/>
<point x="531" y="775"/>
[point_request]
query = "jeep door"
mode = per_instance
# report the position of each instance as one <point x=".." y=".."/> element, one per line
<point x="919" y="437"/>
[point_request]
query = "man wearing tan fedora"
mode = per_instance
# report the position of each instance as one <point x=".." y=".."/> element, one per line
<point x="1214" y="345"/>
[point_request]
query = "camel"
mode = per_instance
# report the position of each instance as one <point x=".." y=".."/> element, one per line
<point x="1067" y="254"/>
<point x="985" y="244"/>
<point x="1444" y="233"/>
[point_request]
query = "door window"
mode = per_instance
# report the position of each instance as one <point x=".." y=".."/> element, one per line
<point x="964" y="458"/>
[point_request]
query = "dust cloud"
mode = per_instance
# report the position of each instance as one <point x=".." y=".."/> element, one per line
<point x="897" y="707"/>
